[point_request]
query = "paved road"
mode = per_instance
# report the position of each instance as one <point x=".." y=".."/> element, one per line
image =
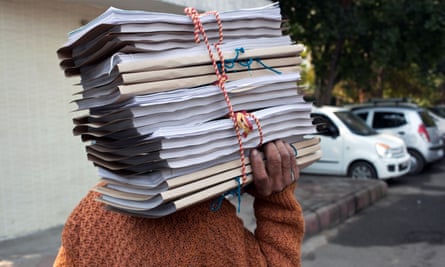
<point x="407" y="228"/>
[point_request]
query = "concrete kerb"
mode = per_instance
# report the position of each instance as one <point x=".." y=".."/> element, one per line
<point x="328" y="216"/>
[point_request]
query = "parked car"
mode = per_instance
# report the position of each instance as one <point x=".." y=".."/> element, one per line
<point x="408" y="121"/>
<point x="351" y="148"/>
<point x="438" y="115"/>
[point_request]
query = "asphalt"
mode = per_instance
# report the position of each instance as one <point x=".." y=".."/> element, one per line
<point x="326" y="201"/>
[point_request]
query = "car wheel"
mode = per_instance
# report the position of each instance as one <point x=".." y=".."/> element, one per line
<point x="417" y="162"/>
<point x="362" y="170"/>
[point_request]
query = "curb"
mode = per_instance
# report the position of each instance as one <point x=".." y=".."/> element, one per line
<point x="330" y="215"/>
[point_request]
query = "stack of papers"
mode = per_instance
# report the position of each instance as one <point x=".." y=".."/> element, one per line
<point x="159" y="127"/>
<point x="141" y="199"/>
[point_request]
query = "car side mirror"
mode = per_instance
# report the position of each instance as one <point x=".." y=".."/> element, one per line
<point x="327" y="129"/>
<point x="333" y="131"/>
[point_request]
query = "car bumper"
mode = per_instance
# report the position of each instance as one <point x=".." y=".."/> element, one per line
<point x="435" y="153"/>
<point x="394" y="167"/>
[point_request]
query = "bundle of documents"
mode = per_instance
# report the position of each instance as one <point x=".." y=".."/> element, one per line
<point x="160" y="125"/>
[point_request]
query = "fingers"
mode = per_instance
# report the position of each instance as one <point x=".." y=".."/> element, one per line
<point x="274" y="174"/>
<point x="286" y="165"/>
<point x="261" y="177"/>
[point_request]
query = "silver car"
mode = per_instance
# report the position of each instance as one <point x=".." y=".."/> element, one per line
<point x="413" y="124"/>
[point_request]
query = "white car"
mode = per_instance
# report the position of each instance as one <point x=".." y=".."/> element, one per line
<point x="351" y="148"/>
<point x="409" y="122"/>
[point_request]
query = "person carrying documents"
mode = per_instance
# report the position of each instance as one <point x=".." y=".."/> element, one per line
<point x="184" y="110"/>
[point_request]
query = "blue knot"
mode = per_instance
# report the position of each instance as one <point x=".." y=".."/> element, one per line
<point x="216" y="204"/>
<point x="230" y="63"/>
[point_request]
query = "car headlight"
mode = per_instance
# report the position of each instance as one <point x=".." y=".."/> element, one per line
<point x="383" y="150"/>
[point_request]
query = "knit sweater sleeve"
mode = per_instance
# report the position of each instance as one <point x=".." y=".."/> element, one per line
<point x="280" y="227"/>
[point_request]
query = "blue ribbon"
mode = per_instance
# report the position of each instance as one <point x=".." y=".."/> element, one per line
<point x="230" y="63"/>
<point x="216" y="204"/>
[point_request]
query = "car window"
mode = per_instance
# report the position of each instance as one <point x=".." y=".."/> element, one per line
<point x="354" y="123"/>
<point x="426" y="119"/>
<point x="388" y="120"/>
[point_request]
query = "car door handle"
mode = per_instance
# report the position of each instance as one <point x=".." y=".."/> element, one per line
<point x="401" y="133"/>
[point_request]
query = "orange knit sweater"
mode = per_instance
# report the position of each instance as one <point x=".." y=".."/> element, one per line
<point x="195" y="236"/>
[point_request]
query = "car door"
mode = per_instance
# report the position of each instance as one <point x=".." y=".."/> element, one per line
<point x="331" y="161"/>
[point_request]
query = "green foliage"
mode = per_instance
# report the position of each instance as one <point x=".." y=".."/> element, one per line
<point x="378" y="47"/>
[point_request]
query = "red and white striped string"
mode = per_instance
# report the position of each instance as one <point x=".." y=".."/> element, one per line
<point x="240" y="119"/>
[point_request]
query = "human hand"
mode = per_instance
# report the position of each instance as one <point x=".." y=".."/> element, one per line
<point x="279" y="170"/>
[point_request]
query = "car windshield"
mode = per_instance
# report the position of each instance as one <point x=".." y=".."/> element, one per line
<point x="354" y="123"/>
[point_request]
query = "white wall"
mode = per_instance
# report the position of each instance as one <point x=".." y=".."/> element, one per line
<point x="43" y="168"/>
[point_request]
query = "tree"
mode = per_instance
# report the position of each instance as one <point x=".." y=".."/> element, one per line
<point x="363" y="42"/>
<point x="330" y="24"/>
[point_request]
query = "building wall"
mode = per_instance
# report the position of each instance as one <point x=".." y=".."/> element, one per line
<point x="43" y="168"/>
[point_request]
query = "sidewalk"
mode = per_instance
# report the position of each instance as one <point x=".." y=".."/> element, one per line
<point x="326" y="202"/>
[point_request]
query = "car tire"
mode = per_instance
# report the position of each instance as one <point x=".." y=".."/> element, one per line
<point x="362" y="170"/>
<point x="417" y="162"/>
